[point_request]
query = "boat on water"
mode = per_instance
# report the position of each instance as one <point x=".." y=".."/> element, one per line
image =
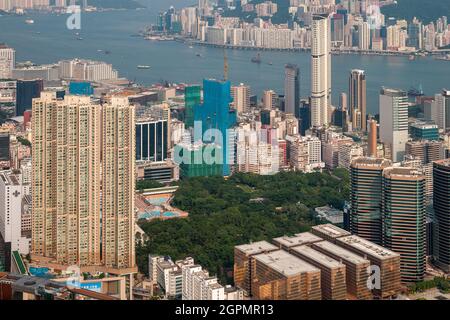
<point x="191" y="47"/>
<point x="198" y="55"/>
<point x="256" y="59"/>
<point x="444" y="57"/>
<point x="29" y="21"/>
<point x="143" y="67"/>
<point x="270" y="63"/>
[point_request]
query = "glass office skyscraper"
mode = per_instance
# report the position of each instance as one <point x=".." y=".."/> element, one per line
<point x="151" y="140"/>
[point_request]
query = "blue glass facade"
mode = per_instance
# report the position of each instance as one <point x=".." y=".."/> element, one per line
<point x="81" y="88"/>
<point x="215" y="113"/>
<point x="26" y="91"/>
<point x="424" y="132"/>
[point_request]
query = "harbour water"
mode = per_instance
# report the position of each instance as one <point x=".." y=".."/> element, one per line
<point x="48" y="40"/>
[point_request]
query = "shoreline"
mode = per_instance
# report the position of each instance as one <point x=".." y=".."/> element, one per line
<point x="334" y="52"/>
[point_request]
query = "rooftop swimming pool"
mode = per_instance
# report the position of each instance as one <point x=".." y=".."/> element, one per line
<point x="40" y="272"/>
<point x="157" y="201"/>
<point x="158" y="214"/>
<point x="170" y="214"/>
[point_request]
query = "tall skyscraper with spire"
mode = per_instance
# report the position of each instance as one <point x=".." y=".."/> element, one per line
<point x="320" y="70"/>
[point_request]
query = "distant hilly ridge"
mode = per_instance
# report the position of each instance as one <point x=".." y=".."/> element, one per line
<point x="425" y="10"/>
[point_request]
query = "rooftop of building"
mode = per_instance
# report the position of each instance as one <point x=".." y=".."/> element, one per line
<point x="34" y="285"/>
<point x="318" y="257"/>
<point x="443" y="163"/>
<point x="423" y="142"/>
<point x="370" y="163"/>
<point x="358" y="71"/>
<point x="393" y="92"/>
<point x="368" y="247"/>
<point x="344" y="254"/>
<point x="167" y="264"/>
<point x="35" y="67"/>
<point x="291" y="66"/>
<point x="87" y="61"/>
<point x="285" y="263"/>
<point x="10" y="178"/>
<point x="297" y="240"/>
<point x="331" y="230"/>
<point x="31" y="284"/>
<point x="256" y="247"/>
<point x="403" y="173"/>
<point x="320" y="16"/>
<point x="424" y="125"/>
<point x="215" y="286"/>
<point x="4" y="46"/>
<point x="188" y="261"/>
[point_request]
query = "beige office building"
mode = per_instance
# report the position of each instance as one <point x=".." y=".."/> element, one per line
<point x="332" y="272"/>
<point x="356" y="268"/>
<point x="243" y="261"/>
<point x="386" y="260"/>
<point x="279" y="275"/>
<point x="300" y="239"/>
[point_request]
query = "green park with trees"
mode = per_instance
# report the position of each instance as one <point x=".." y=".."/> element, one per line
<point x="224" y="213"/>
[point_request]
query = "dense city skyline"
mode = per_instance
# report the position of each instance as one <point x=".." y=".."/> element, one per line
<point x="208" y="190"/>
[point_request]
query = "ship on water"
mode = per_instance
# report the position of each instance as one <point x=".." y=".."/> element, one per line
<point x="256" y="59"/>
<point x="443" y="57"/>
<point x="29" y="21"/>
<point x="143" y="67"/>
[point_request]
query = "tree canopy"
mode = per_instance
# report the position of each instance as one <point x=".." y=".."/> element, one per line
<point x="224" y="213"/>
